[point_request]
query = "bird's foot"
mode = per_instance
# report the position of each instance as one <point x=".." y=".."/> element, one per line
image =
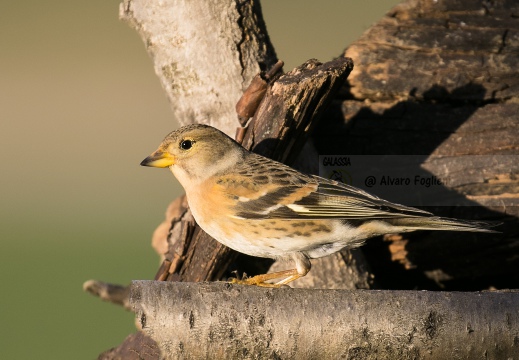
<point x="261" y="280"/>
<point x="255" y="280"/>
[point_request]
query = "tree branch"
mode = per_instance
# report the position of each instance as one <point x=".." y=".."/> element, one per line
<point x="204" y="53"/>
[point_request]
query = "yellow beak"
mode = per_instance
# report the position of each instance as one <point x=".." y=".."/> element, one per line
<point x="159" y="159"/>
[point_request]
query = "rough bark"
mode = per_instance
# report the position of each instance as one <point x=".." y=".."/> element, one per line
<point x="438" y="81"/>
<point x="219" y="320"/>
<point x="292" y="107"/>
<point x="137" y="346"/>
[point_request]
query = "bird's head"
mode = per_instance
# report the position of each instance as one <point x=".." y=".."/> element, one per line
<point x="195" y="152"/>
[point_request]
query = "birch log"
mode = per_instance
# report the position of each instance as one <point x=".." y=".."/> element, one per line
<point x="219" y="320"/>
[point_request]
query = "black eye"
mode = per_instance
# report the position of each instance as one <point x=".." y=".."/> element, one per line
<point x="186" y="144"/>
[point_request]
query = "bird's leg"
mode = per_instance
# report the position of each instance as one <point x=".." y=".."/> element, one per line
<point x="303" y="266"/>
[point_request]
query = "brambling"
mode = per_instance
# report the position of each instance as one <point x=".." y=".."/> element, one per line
<point x="263" y="208"/>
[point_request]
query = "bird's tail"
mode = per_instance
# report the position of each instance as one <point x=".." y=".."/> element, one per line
<point x="439" y="223"/>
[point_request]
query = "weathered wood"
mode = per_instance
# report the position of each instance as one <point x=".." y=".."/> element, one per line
<point x="444" y="50"/>
<point x="292" y="107"/>
<point x="249" y="102"/>
<point x="136" y="346"/>
<point x="439" y="80"/>
<point x="219" y="320"/>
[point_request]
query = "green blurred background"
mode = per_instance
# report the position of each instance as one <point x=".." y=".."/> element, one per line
<point x="80" y="107"/>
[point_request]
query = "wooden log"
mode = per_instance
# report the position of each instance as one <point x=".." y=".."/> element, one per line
<point x="219" y="320"/>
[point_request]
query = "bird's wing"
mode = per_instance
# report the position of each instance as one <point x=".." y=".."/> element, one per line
<point x="274" y="190"/>
<point x="333" y="199"/>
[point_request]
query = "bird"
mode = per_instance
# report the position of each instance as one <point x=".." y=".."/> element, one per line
<point x="263" y="208"/>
